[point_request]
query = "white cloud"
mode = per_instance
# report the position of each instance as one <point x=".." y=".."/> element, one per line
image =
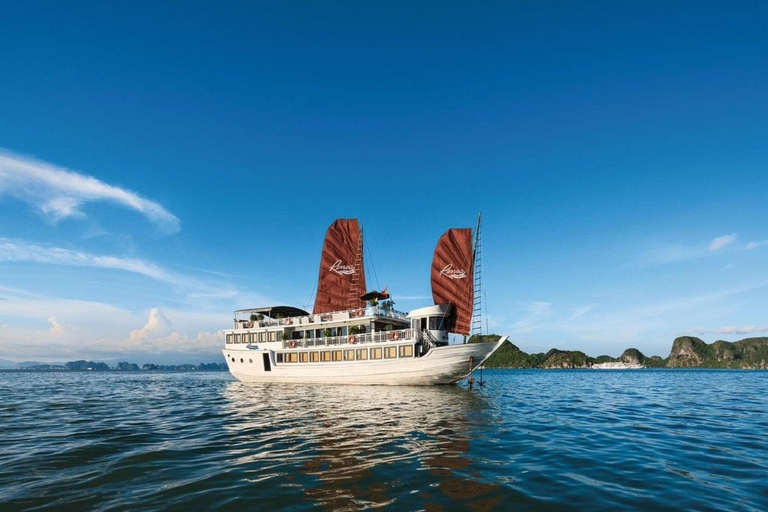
<point x="722" y="242"/>
<point x="732" y="329"/>
<point x="755" y="245"/>
<point x="535" y="314"/>
<point x="19" y="250"/>
<point x="195" y="290"/>
<point x="57" y="328"/>
<point x="675" y="253"/>
<point x="157" y="326"/>
<point x="580" y="312"/>
<point x="59" y="193"/>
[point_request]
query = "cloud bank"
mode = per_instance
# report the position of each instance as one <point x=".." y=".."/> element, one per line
<point x="732" y="329"/>
<point x="17" y="250"/>
<point x="59" y="193"/>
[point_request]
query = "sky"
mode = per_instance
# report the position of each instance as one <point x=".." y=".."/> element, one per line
<point x="163" y="164"/>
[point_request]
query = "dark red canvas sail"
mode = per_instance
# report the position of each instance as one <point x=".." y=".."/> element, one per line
<point x="452" y="282"/>
<point x="342" y="276"/>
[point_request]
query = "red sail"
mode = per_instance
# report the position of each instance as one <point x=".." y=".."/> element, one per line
<point x="342" y="276"/>
<point x="452" y="282"/>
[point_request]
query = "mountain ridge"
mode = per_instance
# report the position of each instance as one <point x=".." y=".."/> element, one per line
<point x="686" y="352"/>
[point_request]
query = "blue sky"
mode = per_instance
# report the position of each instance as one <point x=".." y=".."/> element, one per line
<point x="165" y="163"/>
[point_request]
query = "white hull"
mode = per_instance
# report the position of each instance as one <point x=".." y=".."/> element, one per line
<point x="617" y="366"/>
<point x="441" y="365"/>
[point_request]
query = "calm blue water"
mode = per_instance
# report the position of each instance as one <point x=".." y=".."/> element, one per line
<point x="528" y="440"/>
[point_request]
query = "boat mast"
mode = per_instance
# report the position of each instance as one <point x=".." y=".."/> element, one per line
<point x="477" y="306"/>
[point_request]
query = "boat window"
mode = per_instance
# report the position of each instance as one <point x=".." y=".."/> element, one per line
<point x="362" y="353"/>
<point x="291" y="357"/>
<point x="279" y="356"/>
<point x="376" y="353"/>
<point x="390" y="352"/>
<point x="314" y="356"/>
<point x="406" y="351"/>
<point x="272" y="336"/>
<point x="349" y="354"/>
<point x="337" y="355"/>
<point x="325" y="355"/>
<point x="229" y="338"/>
<point x="303" y="357"/>
<point x="438" y="323"/>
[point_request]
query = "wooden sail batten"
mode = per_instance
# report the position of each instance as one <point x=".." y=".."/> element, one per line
<point x="342" y="274"/>
<point x="452" y="276"/>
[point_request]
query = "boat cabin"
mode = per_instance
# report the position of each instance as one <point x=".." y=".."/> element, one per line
<point x="294" y="328"/>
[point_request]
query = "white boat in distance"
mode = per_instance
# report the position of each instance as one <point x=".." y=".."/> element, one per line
<point x="617" y="365"/>
<point x="354" y="337"/>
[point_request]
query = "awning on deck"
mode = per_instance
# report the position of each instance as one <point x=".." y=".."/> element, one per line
<point x="274" y="311"/>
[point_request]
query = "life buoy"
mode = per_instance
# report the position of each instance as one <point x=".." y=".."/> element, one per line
<point x="394" y="336"/>
<point x="352" y="340"/>
<point x="359" y="313"/>
<point x="291" y="344"/>
<point x="250" y="325"/>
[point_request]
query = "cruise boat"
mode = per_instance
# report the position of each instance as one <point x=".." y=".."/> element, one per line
<point x="357" y="337"/>
<point x="617" y="365"/>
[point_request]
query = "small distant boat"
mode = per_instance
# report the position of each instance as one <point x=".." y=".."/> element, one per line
<point x="617" y="365"/>
<point x="354" y="337"/>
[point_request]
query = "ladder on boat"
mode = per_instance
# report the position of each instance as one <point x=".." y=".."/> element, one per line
<point x="355" y="291"/>
<point x="477" y="304"/>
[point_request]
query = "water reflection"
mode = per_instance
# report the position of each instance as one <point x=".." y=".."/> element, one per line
<point x="348" y="447"/>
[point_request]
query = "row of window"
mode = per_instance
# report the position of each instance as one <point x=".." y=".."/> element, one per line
<point x="261" y="337"/>
<point x="348" y="354"/>
<point x="251" y="337"/>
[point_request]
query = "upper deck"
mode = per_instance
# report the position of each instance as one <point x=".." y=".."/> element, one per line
<point x="288" y="317"/>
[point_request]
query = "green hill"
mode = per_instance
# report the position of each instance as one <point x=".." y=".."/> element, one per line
<point x="691" y="352"/>
<point x="687" y="352"/>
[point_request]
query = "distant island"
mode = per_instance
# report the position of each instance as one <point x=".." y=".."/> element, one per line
<point x="687" y="352"/>
<point x="82" y="365"/>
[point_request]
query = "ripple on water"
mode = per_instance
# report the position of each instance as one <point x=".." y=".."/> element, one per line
<point x="531" y="440"/>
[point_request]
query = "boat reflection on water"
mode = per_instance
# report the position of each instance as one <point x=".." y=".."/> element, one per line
<point x="350" y="447"/>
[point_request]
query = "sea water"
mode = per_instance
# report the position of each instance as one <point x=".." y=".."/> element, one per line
<point x="526" y="440"/>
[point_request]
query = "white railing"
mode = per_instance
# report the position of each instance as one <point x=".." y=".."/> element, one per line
<point x="351" y="339"/>
<point x="368" y="311"/>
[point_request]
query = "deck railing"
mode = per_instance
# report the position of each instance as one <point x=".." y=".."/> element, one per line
<point x="369" y="311"/>
<point x="351" y="339"/>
